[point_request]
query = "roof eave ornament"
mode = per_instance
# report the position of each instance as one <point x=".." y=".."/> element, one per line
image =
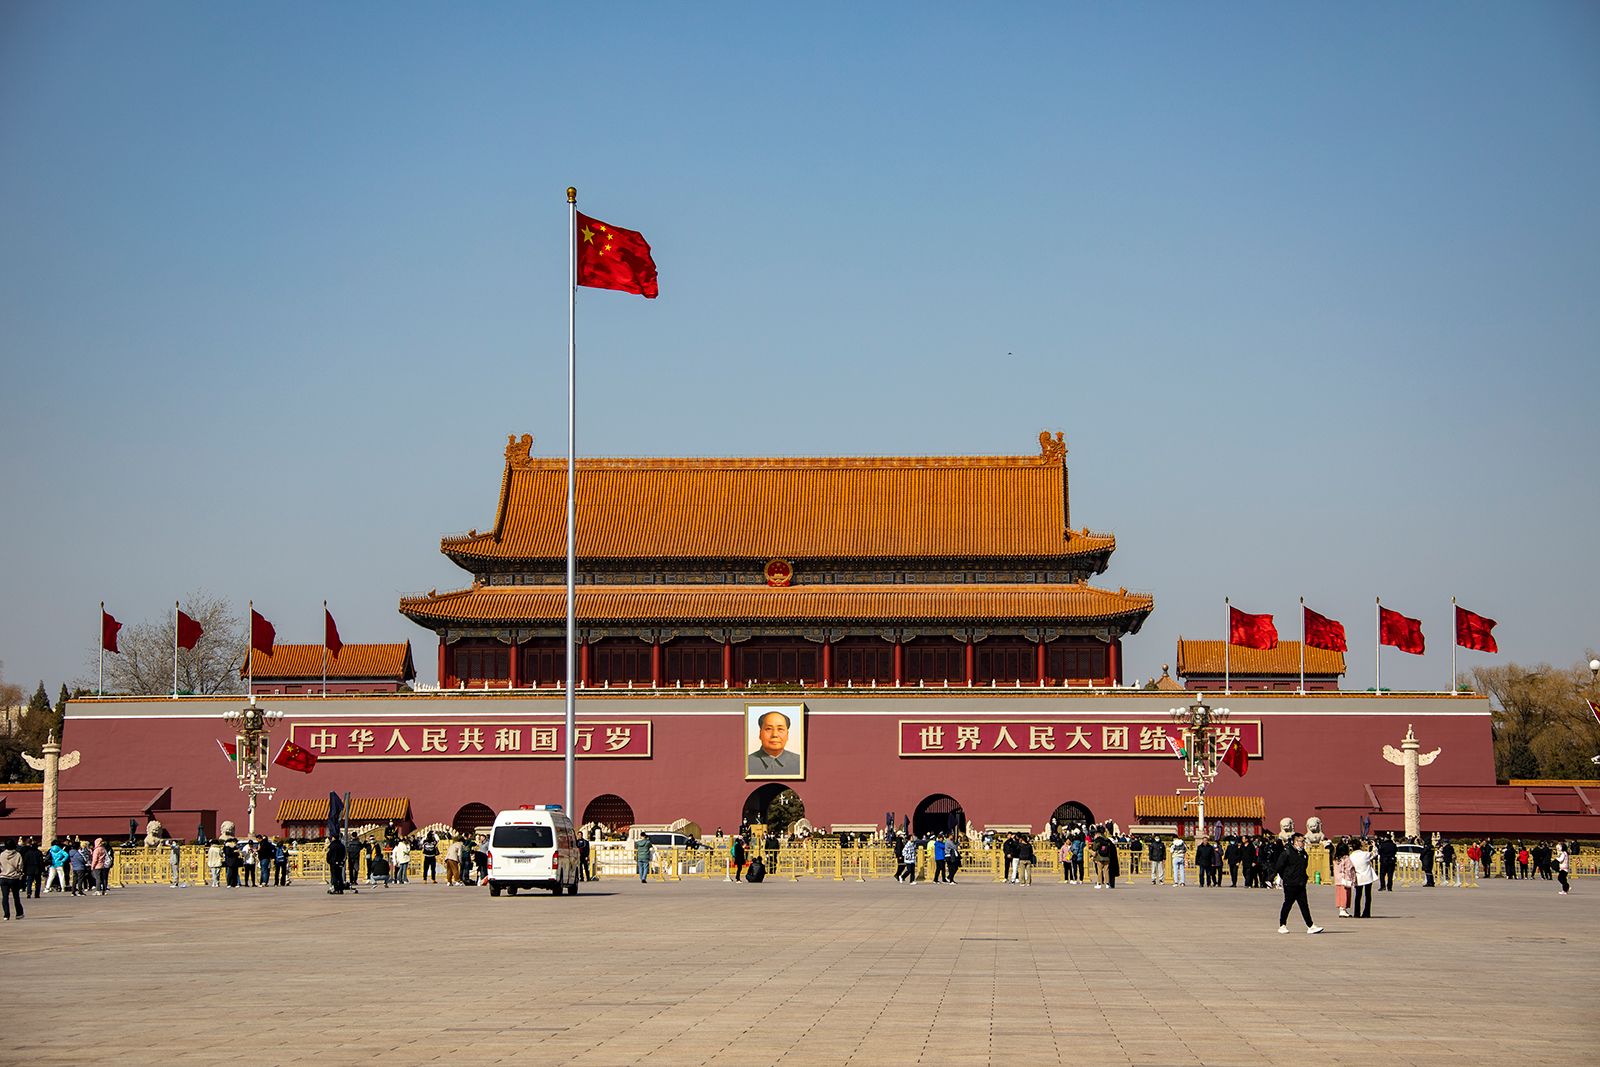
<point x="1053" y="449"/>
<point x="519" y="451"/>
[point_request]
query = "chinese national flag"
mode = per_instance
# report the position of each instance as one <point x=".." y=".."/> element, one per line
<point x="108" y="631"/>
<point x="1400" y="632"/>
<point x="1474" y="631"/>
<point x="330" y="634"/>
<point x="262" y="634"/>
<point x="295" y="758"/>
<point x="610" y="257"/>
<point x="189" y="631"/>
<point x="1251" y="631"/>
<point x="1236" y="758"/>
<point x="1324" y="633"/>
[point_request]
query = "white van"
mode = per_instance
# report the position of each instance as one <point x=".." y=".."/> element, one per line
<point x="533" y="847"/>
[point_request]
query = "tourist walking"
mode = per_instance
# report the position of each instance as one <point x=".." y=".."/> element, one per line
<point x="1427" y="863"/>
<point x="280" y="862"/>
<point x="1025" y="861"/>
<point x="642" y="850"/>
<point x="738" y="856"/>
<point x="1388" y="854"/>
<point x="1447" y="863"/>
<point x="1563" y="866"/>
<point x="1178" y="862"/>
<point x="400" y="857"/>
<point x="937" y="848"/>
<point x="452" y="862"/>
<point x="908" y="860"/>
<point x="336" y="864"/>
<point x="10" y="878"/>
<point x="57" y="874"/>
<point x="1158" y="860"/>
<point x="1344" y="879"/>
<point x="100" y="865"/>
<point x="1364" y="859"/>
<point x="1290" y="869"/>
<point x="265" y="851"/>
<point x="214" y="863"/>
<point x="353" y="851"/>
<point x="952" y="859"/>
<point x="1234" y="855"/>
<point x="78" y="860"/>
<point x="33" y="864"/>
<point x="175" y="862"/>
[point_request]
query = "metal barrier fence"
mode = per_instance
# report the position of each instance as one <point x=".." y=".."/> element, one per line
<point x="816" y="859"/>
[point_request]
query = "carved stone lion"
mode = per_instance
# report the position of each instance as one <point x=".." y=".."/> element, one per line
<point x="1285" y="828"/>
<point x="227" y="830"/>
<point x="155" y="833"/>
<point x="1314" y="834"/>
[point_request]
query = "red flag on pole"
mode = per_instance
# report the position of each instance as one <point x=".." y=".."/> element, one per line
<point x="295" y="758"/>
<point x="610" y="257"/>
<point x="1324" y="633"/>
<point x="1251" y="631"/>
<point x="262" y="634"/>
<point x="1236" y="758"/>
<point x="108" y="631"/>
<point x="1398" y="631"/>
<point x="330" y="634"/>
<point x="1594" y="709"/>
<point x="189" y="630"/>
<point x="1474" y="631"/>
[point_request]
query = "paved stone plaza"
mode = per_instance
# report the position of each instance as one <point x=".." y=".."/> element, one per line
<point x="804" y="973"/>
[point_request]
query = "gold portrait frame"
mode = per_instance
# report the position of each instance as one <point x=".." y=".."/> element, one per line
<point x="796" y="746"/>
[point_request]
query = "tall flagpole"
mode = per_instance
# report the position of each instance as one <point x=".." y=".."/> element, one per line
<point x="1302" y="646"/>
<point x="1377" y="646"/>
<point x="572" y="486"/>
<point x="250" y="649"/>
<point x="1452" y="646"/>
<point x="174" y="650"/>
<point x="102" y="644"/>
<point x="325" y="650"/>
<point x="1227" y="646"/>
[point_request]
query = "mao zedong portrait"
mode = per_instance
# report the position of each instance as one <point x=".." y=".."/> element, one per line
<point x="773" y="758"/>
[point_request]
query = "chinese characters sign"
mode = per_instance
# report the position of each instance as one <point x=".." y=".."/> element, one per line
<point x="457" y="740"/>
<point x="1058" y="737"/>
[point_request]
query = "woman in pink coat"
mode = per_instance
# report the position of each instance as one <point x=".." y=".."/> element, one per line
<point x="1344" y="878"/>
<point x="100" y="864"/>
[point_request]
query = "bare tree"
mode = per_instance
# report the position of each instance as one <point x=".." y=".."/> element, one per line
<point x="1542" y="725"/>
<point x="144" y="665"/>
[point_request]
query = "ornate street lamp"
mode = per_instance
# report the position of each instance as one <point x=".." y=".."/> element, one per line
<point x="1202" y="748"/>
<point x="252" y="751"/>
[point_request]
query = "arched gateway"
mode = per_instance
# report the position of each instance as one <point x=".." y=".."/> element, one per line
<point x="938" y="814"/>
<point x="471" y="817"/>
<point x="610" y="811"/>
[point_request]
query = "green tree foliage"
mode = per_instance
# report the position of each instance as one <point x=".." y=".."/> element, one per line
<point x="27" y="727"/>
<point x="786" y="810"/>
<point x="1542" y="724"/>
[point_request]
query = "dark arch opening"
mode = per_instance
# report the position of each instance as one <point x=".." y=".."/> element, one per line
<point x="1071" y="814"/>
<point x="471" y="817"/>
<point x="610" y="811"/>
<point x="774" y="804"/>
<point x="938" y="814"/>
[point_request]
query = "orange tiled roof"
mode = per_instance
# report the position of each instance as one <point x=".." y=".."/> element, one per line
<point x="775" y="508"/>
<point x="754" y="603"/>
<point x="1206" y="657"/>
<point x="1217" y="807"/>
<point x="362" y="809"/>
<point x="353" y="661"/>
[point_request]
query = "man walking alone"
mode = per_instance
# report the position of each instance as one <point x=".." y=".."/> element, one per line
<point x="1291" y="868"/>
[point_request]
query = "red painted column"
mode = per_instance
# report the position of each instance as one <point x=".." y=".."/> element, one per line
<point x="899" y="662"/>
<point x="969" y="664"/>
<point x="516" y="666"/>
<point x="655" y="664"/>
<point x="584" y="659"/>
<point x="444" y="677"/>
<point x="1042" y="663"/>
<point x="1114" y="661"/>
<point x="727" y="664"/>
<point x="827" y="664"/>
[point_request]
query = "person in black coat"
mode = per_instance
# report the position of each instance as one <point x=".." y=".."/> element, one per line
<point x="336" y="862"/>
<point x="1387" y="854"/>
<point x="1234" y="854"/>
<point x="1427" y="863"/>
<point x="32" y="868"/>
<point x="1290" y="866"/>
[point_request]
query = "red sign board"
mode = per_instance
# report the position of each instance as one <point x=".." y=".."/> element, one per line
<point x="1059" y="737"/>
<point x="457" y="740"/>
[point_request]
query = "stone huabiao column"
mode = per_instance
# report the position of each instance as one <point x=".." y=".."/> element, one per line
<point x="52" y="763"/>
<point x="1411" y="758"/>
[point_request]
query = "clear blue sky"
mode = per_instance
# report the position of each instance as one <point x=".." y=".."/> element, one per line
<point x="1313" y="291"/>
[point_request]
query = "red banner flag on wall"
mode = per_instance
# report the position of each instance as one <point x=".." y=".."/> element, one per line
<point x="262" y="634"/>
<point x="295" y="758"/>
<point x="1398" y="631"/>
<point x="330" y="634"/>
<point x="108" y="631"/>
<point x="610" y="257"/>
<point x="1324" y="633"/>
<point x="189" y="631"/>
<point x="1236" y="758"/>
<point x="1251" y="631"/>
<point x="1474" y="631"/>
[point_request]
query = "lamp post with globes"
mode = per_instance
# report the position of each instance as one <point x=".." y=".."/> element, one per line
<point x="1201" y="749"/>
<point x="252" y="752"/>
<point x="1594" y="676"/>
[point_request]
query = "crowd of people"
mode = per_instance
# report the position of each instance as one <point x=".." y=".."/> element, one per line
<point x="70" y="866"/>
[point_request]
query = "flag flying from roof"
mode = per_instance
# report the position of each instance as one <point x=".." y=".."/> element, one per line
<point x="295" y="758"/>
<point x="1251" y="631"/>
<point x="610" y="257"/>
<point x="230" y="751"/>
<point x="330" y="634"/>
<point x="189" y="630"/>
<point x="1398" y="631"/>
<point x="262" y="633"/>
<point x="108" y="631"/>
<point x="1324" y="633"/>
<point x="1236" y="759"/>
<point x="1475" y="631"/>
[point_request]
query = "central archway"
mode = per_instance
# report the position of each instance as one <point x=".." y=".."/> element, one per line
<point x="938" y="814"/>
<point x="471" y="817"/>
<point x="775" y="805"/>
<point x="1071" y="814"/>
<point x="610" y="811"/>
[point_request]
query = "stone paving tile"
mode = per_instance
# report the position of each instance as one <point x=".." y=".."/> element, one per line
<point x="872" y="973"/>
